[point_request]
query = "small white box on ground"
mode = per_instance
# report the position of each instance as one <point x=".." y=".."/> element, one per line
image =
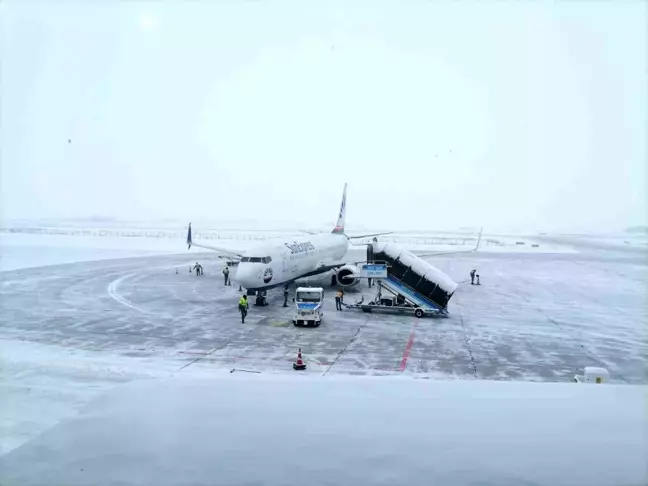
<point x="593" y="374"/>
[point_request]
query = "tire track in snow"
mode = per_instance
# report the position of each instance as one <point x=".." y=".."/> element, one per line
<point x="114" y="294"/>
<point x="351" y="341"/>
<point x="222" y="346"/>
<point x="585" y="348"/>
<point x="467" y="341"/>
<point x="117" y="297"/>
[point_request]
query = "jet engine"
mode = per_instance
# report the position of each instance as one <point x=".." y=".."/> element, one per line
<point x="347" y="276"/>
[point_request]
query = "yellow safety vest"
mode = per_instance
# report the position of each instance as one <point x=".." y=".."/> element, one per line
<point x="243" y="301"/>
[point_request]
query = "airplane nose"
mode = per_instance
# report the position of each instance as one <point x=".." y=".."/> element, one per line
<point x="246" y="276"/>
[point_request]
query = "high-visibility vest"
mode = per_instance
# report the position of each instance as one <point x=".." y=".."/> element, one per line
<point x="243" y="301"/>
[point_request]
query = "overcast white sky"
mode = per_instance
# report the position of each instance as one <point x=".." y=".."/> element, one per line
<point x="438" y="114"/>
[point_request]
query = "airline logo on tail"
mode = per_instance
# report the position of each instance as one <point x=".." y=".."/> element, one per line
<point x="339" y="226"/>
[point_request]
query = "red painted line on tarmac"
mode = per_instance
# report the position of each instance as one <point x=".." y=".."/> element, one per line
<point x="408" y="347"/>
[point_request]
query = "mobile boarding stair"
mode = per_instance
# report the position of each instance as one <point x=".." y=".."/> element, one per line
<point x="407" y="284"/>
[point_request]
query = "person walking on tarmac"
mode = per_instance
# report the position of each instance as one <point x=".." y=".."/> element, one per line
<point x="338" y="300"/>
<point x="472" y="276"/>
<point x="243" y="307"/>
<point x="226" y="275"/>
<point x="285" y="296"/>
<point x="197" y="269"/>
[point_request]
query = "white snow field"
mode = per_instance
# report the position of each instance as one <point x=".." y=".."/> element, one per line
<point x="23" y="250"/>
<point x="245" y="429"/>
<point x="71" y="333"/>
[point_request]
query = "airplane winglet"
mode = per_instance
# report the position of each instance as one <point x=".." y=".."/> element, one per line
<point x="189" y="241"/>
<point x="479" y="239"/>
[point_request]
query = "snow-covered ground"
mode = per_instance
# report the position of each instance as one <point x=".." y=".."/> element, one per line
<point x="70" y="333"/>
<point x="23" y="250"/>
<point x="243" y="429"/>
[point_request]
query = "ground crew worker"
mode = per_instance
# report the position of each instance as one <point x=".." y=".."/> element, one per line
<point x="243" y="307"/>
<point x="285" y="296"/>
<point x="472" y="276"/>
<point x="226" y="275"/>
<point x="197" y="269"/>
<point x="338" y="300"/>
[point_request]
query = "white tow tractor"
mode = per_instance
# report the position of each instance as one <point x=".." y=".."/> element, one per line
<point x="308" y="306"/>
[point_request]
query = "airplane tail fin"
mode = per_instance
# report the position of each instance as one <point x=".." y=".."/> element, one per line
<point x="189" y="241"/>
<point x="339" y="226"/>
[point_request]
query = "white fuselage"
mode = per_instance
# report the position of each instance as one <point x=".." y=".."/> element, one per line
<point x="282" y="261"/>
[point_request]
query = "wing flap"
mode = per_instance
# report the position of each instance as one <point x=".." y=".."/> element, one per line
<point x="368" y="236"/>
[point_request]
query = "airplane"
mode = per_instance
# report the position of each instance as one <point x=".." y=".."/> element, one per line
<point x="280" y="262"/>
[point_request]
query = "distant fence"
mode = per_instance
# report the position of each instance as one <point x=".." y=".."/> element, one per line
<point x="236" y="236"/>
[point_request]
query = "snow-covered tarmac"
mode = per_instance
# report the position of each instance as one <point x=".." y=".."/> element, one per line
<point x="69" y="332"/>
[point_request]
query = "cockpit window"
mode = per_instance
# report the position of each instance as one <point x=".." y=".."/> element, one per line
<point x="256" y="259"/>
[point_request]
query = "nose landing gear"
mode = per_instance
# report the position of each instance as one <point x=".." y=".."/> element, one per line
<point x="261" y="298"/>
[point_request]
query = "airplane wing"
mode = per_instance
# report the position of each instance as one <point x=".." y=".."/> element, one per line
<point x="348" y="237"/>
<point x="426" y="254"/>
<point x="367" y="236"/>
<point x="219" y="249"/>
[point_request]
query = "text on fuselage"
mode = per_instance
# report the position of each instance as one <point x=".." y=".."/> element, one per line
<point x="300" y="247"/>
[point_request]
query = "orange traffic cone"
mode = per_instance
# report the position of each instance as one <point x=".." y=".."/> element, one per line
<point x="299" y="363"/>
